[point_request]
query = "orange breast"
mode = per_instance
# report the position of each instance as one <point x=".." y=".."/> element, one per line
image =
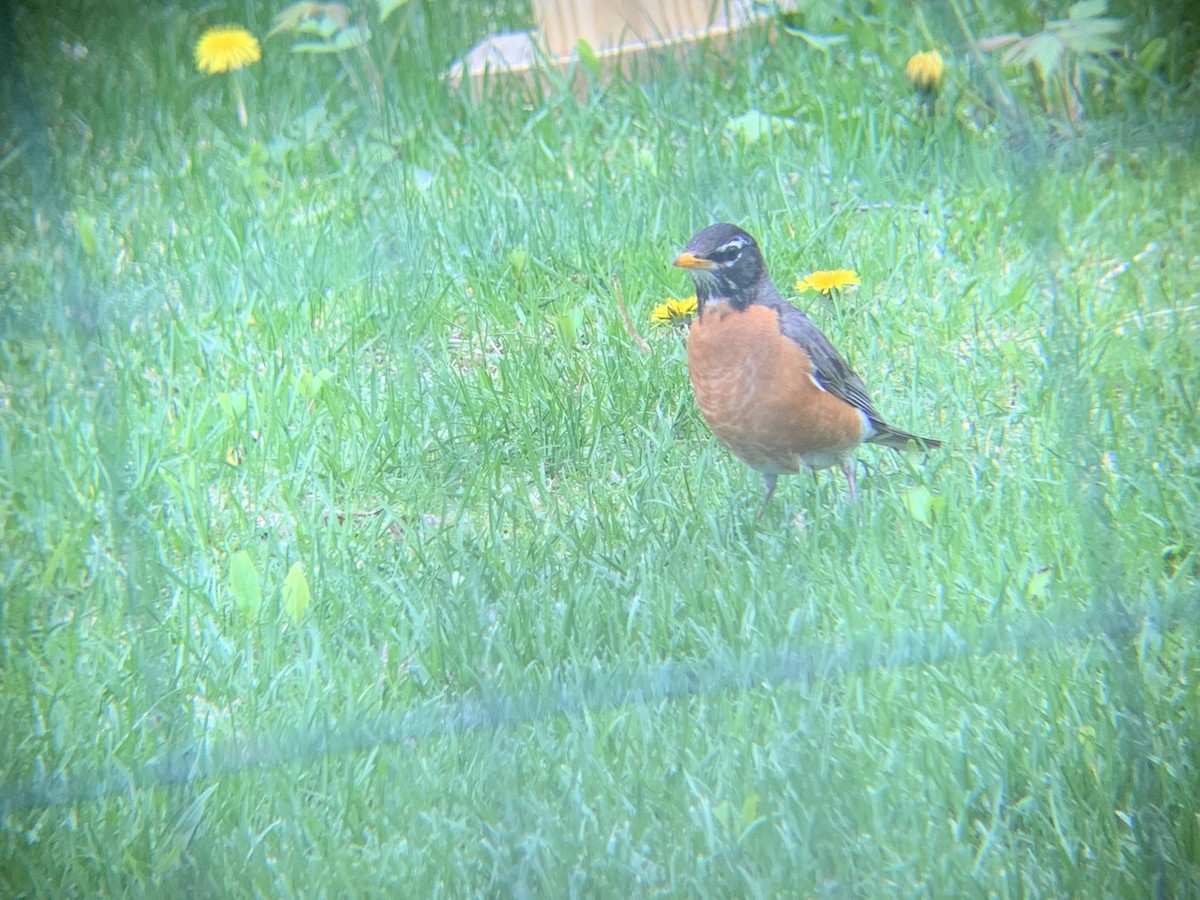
<point x="757" y="393"/>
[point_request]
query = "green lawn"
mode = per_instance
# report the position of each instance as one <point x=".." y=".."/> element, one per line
<point x="350" y="544"/>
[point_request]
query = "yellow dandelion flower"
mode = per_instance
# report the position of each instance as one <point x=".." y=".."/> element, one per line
<point x="828" y="280"/>
<point x="674" y="312"/>
<point x="925" y="70"/>
<point x="226" y="48"/>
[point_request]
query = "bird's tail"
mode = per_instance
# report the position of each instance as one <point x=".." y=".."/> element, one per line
<point x="898" y="440"/>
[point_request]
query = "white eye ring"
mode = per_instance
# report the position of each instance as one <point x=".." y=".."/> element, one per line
<point x="731" y="248"/>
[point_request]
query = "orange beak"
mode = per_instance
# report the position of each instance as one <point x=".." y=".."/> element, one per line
<point x="687" y="260"/>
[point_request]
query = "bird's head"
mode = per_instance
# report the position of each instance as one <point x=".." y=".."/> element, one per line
<point x="725" y="264"/>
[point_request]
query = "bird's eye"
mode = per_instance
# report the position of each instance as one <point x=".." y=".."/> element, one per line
<point x="727" y="252"/>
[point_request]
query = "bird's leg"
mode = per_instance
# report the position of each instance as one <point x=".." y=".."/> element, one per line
<point x="768" y="480"/>
<point x="847" y="465"/>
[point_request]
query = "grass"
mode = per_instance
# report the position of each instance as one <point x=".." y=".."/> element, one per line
<point x="548" y="648"/>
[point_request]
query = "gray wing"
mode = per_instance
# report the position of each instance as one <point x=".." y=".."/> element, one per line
<point x="834" y="374"/>
<point x="831" y="371"/>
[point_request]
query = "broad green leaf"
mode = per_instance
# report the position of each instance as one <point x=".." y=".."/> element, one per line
<point x="822" y="42"/>
<point x="567" y="326"/>
<point x="518" y="259"/>
<point x="750" y="812"/>
<point x="52" y="567"/>
<point x="85" y="225"/>
<point x="322" y="28"/>
<point x="323" y="377"/>
<point x="922" y="504"/>
<point x="300" y="16"/>
<point x="1043" y="49"/>
<point x="387" y="7"/>
<point x="296" y="595"/>
<point x="792" y="20"/>
<point x="1094" y="26"/>
<point x="588" y="58"/>
<point x="754" y="125"/>
<point x="233" y="405"/>
<point x="345" y="39"/>
<point x="1088" y="9"/>
<point x="727" y="816"/>
<point x="645" y="160"/>
<point x="289" y="17"/>
<point x="1047" y="51"/>
<point x="243" y="582"/>
<point x="354" y="36"/>
<point x="1151" y="56"/>
<point x="1092" y="36"/>
<point x="258" y="155"/>
<point x="310" y="383"/>
<point x="1038" y="582"/>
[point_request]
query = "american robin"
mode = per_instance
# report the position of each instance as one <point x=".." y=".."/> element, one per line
<point x="771" y="386"/>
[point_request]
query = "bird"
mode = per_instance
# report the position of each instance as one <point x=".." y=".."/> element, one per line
<point x="769" y="383"/>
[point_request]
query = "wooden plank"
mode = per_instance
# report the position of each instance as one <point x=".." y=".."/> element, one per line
<point x="628" y="36"/>
<point x="609" y="24"/>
